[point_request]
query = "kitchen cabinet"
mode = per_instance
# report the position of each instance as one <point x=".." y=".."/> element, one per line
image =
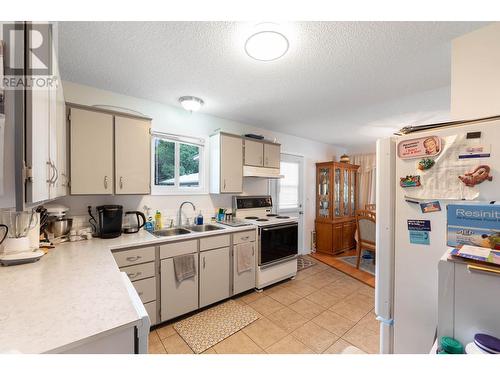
<point x="110" y="153"/>
<point x="243" y="281"/>
<point x="226" y="163"/>
<point x="132" y="156"/>
<point x="46" y="139"/>
<point x="272" y="155"/>
<point x="336" y="203"/>
<point x="91" y="152"/>
<point x="177" y="298"/>
<point x="254" y="153"/>
<point x="214" y="276"/>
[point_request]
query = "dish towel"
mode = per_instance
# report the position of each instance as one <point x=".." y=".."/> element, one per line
<point x="244" y="256"/>
<point x="184" y="267"/>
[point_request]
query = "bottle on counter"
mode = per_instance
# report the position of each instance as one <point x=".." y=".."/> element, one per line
<point x="149" y="225"/>
<point x="199" y="219"/>
<point x="158" y="224"/>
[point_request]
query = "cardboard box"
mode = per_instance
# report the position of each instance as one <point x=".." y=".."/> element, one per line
<point x="475" y="225"/>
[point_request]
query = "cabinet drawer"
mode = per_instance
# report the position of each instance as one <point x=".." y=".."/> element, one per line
<point x="134" y="256"/>
<point x="139" y="271"/>
<point x="146" y="289"/>
<point x="246" y="236"/>
<point x="151" y="310"/>
<point x="178" y="248"/>
<point x="214" y="242"/>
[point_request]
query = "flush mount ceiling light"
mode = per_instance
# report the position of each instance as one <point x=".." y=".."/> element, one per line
<point x="191" y="103"/>
<point x="267" y="45"/>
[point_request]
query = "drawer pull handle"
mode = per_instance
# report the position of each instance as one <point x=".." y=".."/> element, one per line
<point x="133" y="259"/>
<point x="134" y="275"/>
<point x="471" y="268"/>
<point x="204" y="263"/>
<point x="253" y="250"/>
<point x="245" y="238"/>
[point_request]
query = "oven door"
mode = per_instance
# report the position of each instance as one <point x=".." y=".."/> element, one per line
<point x="277" y="243"/>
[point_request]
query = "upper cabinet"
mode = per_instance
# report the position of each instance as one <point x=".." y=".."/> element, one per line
<point x="261" y="154"/>
<point x="109" y="153"/>
<point x="226" y="163"/>
<point x="91" y="149"/>
<point x="46" y="155"/>
<point x="271" y="155"/>
<point x="132" y="156"/>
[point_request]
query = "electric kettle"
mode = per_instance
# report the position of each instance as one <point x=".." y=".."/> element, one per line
<point x="132" y="221"/>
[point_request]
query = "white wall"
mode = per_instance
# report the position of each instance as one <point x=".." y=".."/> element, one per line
<point x="176" y="120"/>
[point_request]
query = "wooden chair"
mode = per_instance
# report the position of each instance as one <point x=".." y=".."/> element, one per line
<point x="365" y="224"/>
<point x="370" y="207"/>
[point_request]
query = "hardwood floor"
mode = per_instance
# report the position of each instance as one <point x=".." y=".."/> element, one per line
<point x="333" y="261"/>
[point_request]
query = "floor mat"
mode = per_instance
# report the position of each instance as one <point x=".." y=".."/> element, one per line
<point x="366" y="265"/>
<point x="304" y="262"/>
<point x="207" y="328"/>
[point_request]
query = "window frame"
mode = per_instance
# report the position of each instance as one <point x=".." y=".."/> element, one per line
<point x="202" y="168"/>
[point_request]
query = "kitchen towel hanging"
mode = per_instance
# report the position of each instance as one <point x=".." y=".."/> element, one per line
<point x="244" y="256"/>
<point x="184" y="267"/>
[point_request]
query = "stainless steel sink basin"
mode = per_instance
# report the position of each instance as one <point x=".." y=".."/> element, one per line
<point x="204" y="228"/>
<point x="171" y="232"/>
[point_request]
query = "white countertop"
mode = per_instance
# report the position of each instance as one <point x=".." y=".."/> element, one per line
<point x="72" y="294"/>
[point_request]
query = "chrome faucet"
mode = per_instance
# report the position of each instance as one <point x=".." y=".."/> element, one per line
<point x="179" y="218"/>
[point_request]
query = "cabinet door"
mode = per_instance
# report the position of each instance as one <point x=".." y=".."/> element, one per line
<point x="324" y="237"/>
<point x="132" y="156"/>
<point x="348" y="230"/>
<point x="37" y="140"/>
<point x="214" y="276"/>
<point x="231" y="164"/>
<point x="91" y="152"/>
<point x="337" y="237"/>
<point x="245" y="280"/>
<point x="272" y="155"/>
<point x="254" y="153"/>
<point x="177" y="298"/>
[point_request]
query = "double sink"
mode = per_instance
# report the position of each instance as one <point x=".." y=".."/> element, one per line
<point x="177" y="231"/>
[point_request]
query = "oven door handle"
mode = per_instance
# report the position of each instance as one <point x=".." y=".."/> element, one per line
<point x="280" y="227"/>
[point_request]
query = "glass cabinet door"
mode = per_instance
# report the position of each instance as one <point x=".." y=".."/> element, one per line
<point x="345" y="199"/>
<point x="324" y="192"/>
<point x="353" y="192"/>
<point x="336" y="196"/>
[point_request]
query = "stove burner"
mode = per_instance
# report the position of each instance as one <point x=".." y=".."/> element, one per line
<point x="282" y="217"/>
<point x="251" y="217"/>
<point x="271" y="215"/>
<point x="262" y="220"/>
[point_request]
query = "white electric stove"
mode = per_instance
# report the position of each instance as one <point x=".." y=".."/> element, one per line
<point x="277" y="238"/>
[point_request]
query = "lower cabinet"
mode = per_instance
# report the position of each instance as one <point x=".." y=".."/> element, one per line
<point x="245" y="280"/>
<point x="336" y="237"/>
<point x="177" y="298"/>
<point x="214" y="276"/>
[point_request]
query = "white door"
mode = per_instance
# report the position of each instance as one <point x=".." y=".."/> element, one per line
<point x="132" y="156"/>
<point x="91" y="152"/>
<point x="288" y="192"/>
<point x="231" y="164"/>
<point x="214" y="276"/>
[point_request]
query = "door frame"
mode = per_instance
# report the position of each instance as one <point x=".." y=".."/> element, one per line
<point x="273" y="187"/>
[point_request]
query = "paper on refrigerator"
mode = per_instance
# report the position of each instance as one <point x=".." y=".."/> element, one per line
<point x="441" y="181"/>
<point x="2" y="150"/>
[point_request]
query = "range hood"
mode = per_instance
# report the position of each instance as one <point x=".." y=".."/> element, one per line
<point x="262" y="172"/>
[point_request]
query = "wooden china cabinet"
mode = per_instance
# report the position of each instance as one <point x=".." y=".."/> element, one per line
<point x="336" y="196"/>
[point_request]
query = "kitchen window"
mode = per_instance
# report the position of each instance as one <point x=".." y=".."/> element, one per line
<point x="178" y="165"/>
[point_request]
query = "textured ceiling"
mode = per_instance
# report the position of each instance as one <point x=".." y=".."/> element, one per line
<point x="332" y="72"/>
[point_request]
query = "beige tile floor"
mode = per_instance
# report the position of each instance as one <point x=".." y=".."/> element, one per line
<point x="321" y="311"/>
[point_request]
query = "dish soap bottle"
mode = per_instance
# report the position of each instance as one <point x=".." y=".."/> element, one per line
<point x="199" y="219"/>
<point x="149" y="226"/>
<point x="158" y="220"/>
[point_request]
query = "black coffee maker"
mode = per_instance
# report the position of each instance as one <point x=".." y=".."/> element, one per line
<point x="109" y="221"/>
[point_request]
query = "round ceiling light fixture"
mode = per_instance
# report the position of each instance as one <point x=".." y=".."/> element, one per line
<point x="191" y="103"/>
<point x="267" y="45"/>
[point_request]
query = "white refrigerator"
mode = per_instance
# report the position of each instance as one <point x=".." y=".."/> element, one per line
<point x="407" y="272"/>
